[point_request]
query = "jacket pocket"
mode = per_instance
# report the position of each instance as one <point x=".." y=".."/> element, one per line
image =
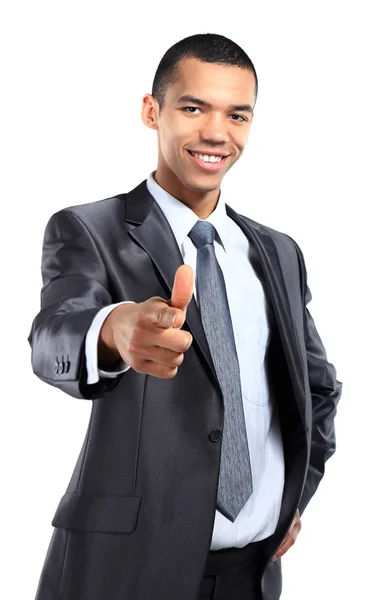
<point x="91" y="512"/>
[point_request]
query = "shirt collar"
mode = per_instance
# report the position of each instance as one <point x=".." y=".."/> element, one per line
<point x="181" y="218"/>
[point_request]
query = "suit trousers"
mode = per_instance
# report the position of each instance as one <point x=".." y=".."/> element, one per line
<point x="233" y="574"/>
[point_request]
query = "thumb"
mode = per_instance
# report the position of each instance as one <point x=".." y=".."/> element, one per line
<point x="182" y="290"/>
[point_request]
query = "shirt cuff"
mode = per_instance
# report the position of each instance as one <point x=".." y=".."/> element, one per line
<point x="91" y="347"/>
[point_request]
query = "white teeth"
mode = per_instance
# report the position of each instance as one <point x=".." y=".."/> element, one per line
<point x="208" y="157"/>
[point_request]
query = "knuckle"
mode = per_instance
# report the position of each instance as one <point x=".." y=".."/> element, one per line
<point x="163" y="316"/>
<point x="160" y="314"/>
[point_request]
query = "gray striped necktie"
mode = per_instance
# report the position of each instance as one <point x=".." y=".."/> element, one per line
<point x="235" y="480"/>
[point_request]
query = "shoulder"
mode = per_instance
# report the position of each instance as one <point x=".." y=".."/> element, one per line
<point x="98" y="215"/>
<point x="96" y="207"/>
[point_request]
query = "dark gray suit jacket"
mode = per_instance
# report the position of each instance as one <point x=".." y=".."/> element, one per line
<point x="137" y="517"/>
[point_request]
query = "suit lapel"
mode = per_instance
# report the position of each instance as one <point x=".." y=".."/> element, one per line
<point x="151" y="230"/>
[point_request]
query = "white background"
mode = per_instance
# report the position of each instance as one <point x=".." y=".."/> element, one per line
<point x="73" y="75"/>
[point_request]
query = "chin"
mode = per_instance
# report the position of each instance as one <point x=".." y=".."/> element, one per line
<point x="196" y="185"/>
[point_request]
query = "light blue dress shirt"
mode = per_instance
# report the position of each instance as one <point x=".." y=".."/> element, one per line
<point x="258" y="518"/>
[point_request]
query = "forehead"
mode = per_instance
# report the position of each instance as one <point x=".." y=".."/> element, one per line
<point x="213" y="81"/>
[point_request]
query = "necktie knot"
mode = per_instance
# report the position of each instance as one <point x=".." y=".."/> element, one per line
<point x="202" y="233"/>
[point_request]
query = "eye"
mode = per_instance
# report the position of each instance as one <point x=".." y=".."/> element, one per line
<point x="192" y="107"/>
<point x="241" y="117"/>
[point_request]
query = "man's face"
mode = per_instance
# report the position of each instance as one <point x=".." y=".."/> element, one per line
<point x="185" y="126"/>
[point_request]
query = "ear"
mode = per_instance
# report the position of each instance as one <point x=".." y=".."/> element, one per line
<point x="149" y="111"/>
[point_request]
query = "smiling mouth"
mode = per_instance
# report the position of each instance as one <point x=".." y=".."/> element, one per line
<point x="207" y="165"/>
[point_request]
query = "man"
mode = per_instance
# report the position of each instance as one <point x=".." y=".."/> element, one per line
<point x="212" y="417"/>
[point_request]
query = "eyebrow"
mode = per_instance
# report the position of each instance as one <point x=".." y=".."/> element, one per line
<point x="194" y="100"/>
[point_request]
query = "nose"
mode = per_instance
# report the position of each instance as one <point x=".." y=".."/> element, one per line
<point x="214" y="129"/>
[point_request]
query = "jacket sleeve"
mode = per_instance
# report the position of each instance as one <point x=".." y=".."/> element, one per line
<point x="75" y="288"/>
<point x="326" y="391"/>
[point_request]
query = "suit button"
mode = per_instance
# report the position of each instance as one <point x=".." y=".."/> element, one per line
<point x="55" y="368"/>
<point x="215" y="435"/>
<point x="61" y="367"/>
<point x="66" y="366"/>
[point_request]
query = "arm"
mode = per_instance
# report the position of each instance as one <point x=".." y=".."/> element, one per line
<point x="326" y="391"/>
<point x="75" y="288"/>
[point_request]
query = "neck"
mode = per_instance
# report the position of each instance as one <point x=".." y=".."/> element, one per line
<point x="202" y="203"/>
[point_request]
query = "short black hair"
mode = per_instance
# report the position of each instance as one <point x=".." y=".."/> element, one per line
<point x="206" y="47"/>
